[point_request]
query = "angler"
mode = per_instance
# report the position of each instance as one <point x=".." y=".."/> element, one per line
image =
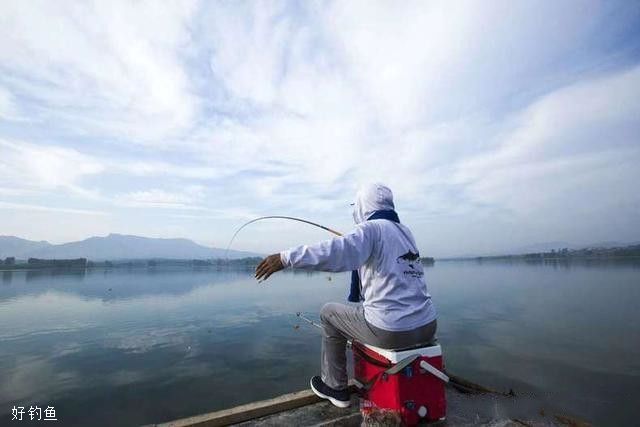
<point x="388" y="277"/>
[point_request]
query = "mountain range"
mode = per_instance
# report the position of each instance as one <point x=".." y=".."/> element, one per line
<point x="119" y="247"/>
<point x="548" y="246"/>
<point x="114" y="247"/>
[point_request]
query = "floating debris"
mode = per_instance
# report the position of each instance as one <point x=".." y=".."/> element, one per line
<point x="381" y="417"/>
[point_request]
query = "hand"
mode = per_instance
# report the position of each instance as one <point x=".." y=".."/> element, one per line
<point x="268" y="266"/>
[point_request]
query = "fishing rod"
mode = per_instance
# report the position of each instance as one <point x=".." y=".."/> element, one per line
<point x="337" y="233"/>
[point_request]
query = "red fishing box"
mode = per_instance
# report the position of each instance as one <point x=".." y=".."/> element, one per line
<point x="409" y="383"/>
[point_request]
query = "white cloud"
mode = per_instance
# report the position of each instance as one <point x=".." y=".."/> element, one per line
<point x="161" y="198"/>
<point x="41" y="208"/>
<point x="275" y="107"/>
<point x="39" y="167"/>
<point x="425" y="62"/>
<point x="562" y="138"/>
<point x="107" y="68"/>
<point x="7" y="106"/>
<point x="250" y="45"/>
<point x="334" y="89"/>
<point x="143" y="168"/>
<point x="307" y="117"/>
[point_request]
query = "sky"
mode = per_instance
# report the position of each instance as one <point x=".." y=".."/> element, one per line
<point x="496" y="124"/>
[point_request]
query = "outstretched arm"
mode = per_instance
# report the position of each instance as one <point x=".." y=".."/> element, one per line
<point x="342" y="253"/>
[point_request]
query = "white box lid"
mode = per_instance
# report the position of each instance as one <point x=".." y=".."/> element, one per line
<point x="395" y="356"/>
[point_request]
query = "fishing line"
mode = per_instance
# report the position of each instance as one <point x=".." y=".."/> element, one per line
<point x="309" y="321"/>
<point x="312" y="323"/>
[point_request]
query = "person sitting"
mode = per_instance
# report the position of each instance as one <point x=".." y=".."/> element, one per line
<point x="396" y="312"/>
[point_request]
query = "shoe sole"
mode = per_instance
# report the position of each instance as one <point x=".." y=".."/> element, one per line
<point x="335" y="402"/>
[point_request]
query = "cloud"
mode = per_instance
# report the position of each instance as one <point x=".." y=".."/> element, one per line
<point x="112" y="70"/>
<point x="560" y="143"/>
<point x="285" y="107"/>
<point x="7" y="105"/>
<point x="421" y="63"/>
<point x="40" y="167"/>
<point x="40" y="208"/>
<point x="160" y="198"/>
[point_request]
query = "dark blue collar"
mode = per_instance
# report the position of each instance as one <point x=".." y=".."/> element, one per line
<point x="389" y="214"/>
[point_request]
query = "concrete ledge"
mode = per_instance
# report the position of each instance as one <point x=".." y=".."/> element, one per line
<point x="247" y="412"/>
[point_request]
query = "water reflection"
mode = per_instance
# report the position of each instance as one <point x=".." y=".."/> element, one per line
<point x="140" y="346"/>
<point x="68" y="274"/>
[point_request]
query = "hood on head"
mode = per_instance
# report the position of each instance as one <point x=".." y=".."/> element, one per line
<point x="371" y="198"/>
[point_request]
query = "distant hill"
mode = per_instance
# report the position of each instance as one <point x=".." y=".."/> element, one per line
<point x="114" y="247"/>
<point x="549" y="246"/>
<point x="545" y="247"/>
<point x="19" y="248"/>
<point x="541" y="247"/>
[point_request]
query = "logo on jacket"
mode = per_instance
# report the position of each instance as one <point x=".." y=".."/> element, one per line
<point x="409" y="259"/>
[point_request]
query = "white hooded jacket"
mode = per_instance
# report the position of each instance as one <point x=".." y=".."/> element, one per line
<point x="387" y="259"/>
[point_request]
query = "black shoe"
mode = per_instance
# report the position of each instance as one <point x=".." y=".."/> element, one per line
<point x="339" y="398"/>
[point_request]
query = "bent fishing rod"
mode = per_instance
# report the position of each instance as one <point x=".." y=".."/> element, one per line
<point x="337" y="233"/>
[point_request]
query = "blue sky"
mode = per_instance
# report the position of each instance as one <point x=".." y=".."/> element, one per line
<point x="496" y="124"/>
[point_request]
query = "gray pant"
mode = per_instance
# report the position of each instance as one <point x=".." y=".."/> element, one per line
<point x="342" y="322"/>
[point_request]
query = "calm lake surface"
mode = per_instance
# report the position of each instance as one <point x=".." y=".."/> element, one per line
<point x="129" y="347"/>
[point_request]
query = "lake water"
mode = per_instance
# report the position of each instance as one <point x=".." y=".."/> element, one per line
<point x="129" y="347"/>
